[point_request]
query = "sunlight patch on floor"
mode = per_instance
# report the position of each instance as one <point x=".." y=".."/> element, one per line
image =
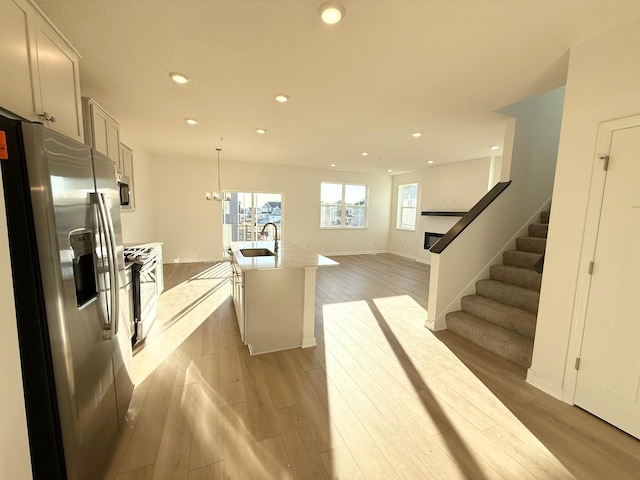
<point x="396" y="364"/>
<point x="180" y="311"/>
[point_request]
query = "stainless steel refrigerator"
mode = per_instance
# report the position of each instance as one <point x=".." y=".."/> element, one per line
<point x="63" y="218"/>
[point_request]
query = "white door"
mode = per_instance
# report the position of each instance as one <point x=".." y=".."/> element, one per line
<point x="609" y="373"/>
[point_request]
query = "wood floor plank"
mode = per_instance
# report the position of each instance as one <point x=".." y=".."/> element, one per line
<point x="542" y="464"/>
<point x="208" y="432"/>
<point x="142" y="473"/>
<point x="237" y="445"/>
<point x="214" y="471"/>
<point x="175" y="446"/>
<point x="370" y="460"/>
<point x="147" y="433"/>
<point x="262" y="419"/>
<point x="403" y="461"/>
<point x="231" y="388"/>
<point x="307" y="401"/>
<point x="413" y="430"/>
<point x="271" y="455"/>
<point x="279" y="389"/>
<point x="299" y="442"/>
<point x="126" y="431"/>
<point x="340" y="464"/>
<point x="210" y="334"/>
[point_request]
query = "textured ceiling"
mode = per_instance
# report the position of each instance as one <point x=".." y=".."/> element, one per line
<point x="389" y="68"/>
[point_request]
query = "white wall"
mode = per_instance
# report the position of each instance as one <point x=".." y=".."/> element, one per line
<point x="603" y="84"/>
<point x="15" y="461"/>
<point x="453" y="186"/>
<point x="190" y="226"/>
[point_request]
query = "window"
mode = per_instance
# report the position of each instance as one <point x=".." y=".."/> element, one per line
<point x="246" y="213"/>
<point x="407" y="202"/>
<point x="343" y="206"/>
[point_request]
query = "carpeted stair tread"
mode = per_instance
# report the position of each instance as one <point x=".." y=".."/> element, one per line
<point x="522" y="277"/>
<point x="506" y="316"/>
<point x="540" y="230"/>
<point x="505" y="343"/>
<point x="518" y="297"/>
<point x="544" y="216"/>
<point x="531" y="244"/>
<point x="520" y="259"/>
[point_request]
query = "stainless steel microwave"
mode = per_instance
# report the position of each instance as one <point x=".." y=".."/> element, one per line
<point x="123" y="186"/>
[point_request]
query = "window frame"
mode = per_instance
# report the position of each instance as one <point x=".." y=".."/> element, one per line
<point x="344" y="207"/>
<point x="400" y="210"/>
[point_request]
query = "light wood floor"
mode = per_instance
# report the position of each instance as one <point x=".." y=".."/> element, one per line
<point x="380" y="397"/>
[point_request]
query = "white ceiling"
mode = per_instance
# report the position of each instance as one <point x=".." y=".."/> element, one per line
<point x="389" y="68"/>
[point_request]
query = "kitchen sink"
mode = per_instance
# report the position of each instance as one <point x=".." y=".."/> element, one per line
<point x="256" y="252"/>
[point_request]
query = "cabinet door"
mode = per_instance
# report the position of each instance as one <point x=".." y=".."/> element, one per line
<point x="59" y="81"/>
<point x="19" y="79"/>
<point x="126" y="167"/>
<point x="113" y="142"/>
<point x="100" y="129"/>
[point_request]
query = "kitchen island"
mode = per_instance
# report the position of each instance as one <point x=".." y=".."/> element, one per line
<point x="274" y="295"/>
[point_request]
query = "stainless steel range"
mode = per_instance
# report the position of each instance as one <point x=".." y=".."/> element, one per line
<point x="148" y="283"/>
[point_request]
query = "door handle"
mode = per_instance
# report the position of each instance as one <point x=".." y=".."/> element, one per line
<point x="106" y="230"/>
<point x="113" y="262"/>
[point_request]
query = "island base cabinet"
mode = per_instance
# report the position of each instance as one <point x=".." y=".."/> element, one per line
<point x="274" y="302"/>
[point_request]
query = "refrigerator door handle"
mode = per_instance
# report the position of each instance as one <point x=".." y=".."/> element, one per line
<point x="113" y="261"/>
<point x="98" y="200"/>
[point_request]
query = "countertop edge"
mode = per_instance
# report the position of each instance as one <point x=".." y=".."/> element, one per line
<point x="290" y="256"/>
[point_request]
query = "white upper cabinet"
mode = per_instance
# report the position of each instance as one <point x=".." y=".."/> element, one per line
<point x="17" y="40"/>
<point x="101" y="130"/>
<point x="40" y="79"/>
<point x="59" y="82"/>
<point x="126" y="168"/>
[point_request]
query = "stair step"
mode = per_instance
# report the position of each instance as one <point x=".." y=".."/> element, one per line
<point x="531" y="244"/>
<point x="520" y="259"/>
<point x="544" y="216"/>
<point x="538" y="230"/>
<point x="505" y="343"/>
<point x="505" y="316"/>
<point x="522" y="277"/>
<point x="518" y="297"/>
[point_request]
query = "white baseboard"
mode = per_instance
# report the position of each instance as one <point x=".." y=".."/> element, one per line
<point x="540" y="384"/>
<point x="309" y="342"/>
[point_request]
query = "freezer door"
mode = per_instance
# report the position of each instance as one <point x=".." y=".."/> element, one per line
<point x="61" y="182"/>
<point x="107" y="188"/>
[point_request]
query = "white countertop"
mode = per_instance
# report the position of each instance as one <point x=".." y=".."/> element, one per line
<point x="144" y="245"/>
<point x="289" y="256"/>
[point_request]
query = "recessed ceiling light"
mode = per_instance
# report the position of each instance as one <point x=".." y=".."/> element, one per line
<point x="333" y="165"/>
<point x="389" y="170"/>
<point x="430" y="162"/>
<point x="261" y="131"/>
<point x="416" y="134"/>
<point x="494" y="147"/>
<point x="191" y="121"/>
<point x="364" y="154"/>
<point x="281" y="97"/>
<point x="179" y="77"/>
<point x="331" y="12"/>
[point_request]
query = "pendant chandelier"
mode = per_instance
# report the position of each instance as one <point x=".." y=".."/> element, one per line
<point x="219" y="195"/>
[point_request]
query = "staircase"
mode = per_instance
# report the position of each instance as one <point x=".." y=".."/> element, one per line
<point x="501" y="316"/>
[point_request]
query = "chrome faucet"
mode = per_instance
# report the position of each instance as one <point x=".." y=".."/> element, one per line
<point x="275" y="227"/>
